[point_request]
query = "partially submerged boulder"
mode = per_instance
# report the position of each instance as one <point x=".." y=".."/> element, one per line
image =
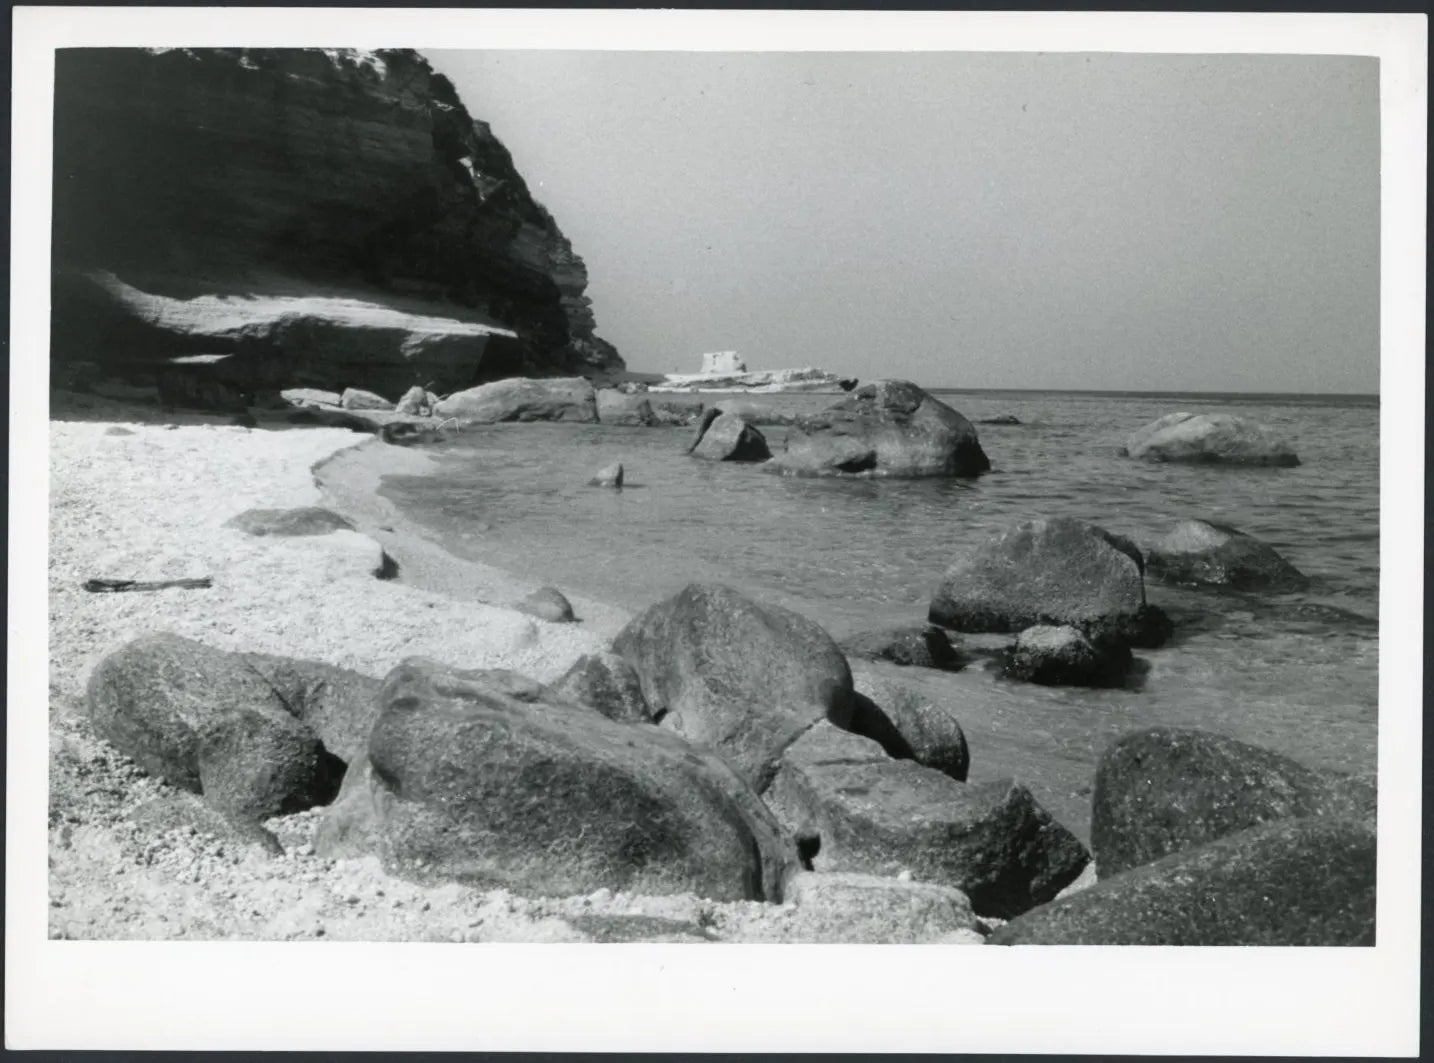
<point x="1165" y="789"/>
<point x="742" y="677"/>
<point x="884" y="428"/>
<point x="301" y="520"/>
<point x="608" y="476"/>
<point x="522" y="399"/>
<point x="618" y="407"/>
<point x="1060" y="655"/>
<point x="1057" y="571"/>
<point x="1209" y="438"/>
<point x="920" y="646"/>
<point x="605" y="682"/>
<point x="871" y="814"/>
<point x="727" y="437"/>
<point x="480" y="778"/>
<point x="1296" y="882"/>
<point x="1201" y="553"/>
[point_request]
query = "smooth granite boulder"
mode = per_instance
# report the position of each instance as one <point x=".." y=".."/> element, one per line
<point x="1165" y="789"/>
<point x="1062" y="656"/>
<point x="617" y="407"/>
<point x="605" y="682"/>
<point x="522" y="399"/>
<point x="866" y="812"/>
<point x="742" y="677"/>
<point x="921" y="646"/>
<point x="727" y="437"/>
<point x="1058" y="571"/>
<point x="210" y="722"/>
<point x="485" y="778"/>
<point x="1209" y="439"/>
<point x="1201" y="553"/>
<point x="907" y="725"/>
<point x="884" y="428"/>
<point x="302" y="520"/>
<point x="1296" y="882"/>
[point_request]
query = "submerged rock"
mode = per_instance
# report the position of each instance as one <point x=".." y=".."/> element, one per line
<point x="741" y="677"/>
<point x="522" y="399"/>
<point x="884" y="428"/>
<point x="880" y="816"/>
<point x="1062" y="656"/>
<point x="1209" y="438"/>
<point x="727" y="437"/>
<point x="921" y="646"/>
<point x="1296" y="882"/>
<point x="1199" y="552"/>
<point x="481" y="778"/>
<point x="1165" y="789"/>
<point x="1058" y="571"/>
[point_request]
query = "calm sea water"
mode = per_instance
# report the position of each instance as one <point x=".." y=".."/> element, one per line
<point x="1297" y="672"/>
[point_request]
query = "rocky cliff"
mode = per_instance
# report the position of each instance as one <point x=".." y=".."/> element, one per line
<point x="341" y="208"/>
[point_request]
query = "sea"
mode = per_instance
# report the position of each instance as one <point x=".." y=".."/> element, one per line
<point x="1295" y="672"/>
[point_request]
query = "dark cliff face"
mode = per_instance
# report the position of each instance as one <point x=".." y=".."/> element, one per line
<point x="307" y="172"/>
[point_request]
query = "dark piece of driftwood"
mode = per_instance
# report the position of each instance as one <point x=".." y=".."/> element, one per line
<point x="99" y="585"/>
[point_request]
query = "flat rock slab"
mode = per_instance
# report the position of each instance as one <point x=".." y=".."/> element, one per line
<point x="522" y="399"/>
<point x="1210" y="439"/>
<point x="881" y="816"/>
<point x="1165" y="789"/>
<point x="1297" y="882"/>
<point x="302" y="520"/>
<point x="1199" y="553"/>
<point x="487" y="779"/>
<point x="742" y="677"/>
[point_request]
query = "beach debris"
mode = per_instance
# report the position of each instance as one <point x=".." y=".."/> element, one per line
<point x="876" y="815"/>
<point x="727" y="437"/>
<point x="884" y="428"/>
<point x="1210" y="439"/>
<point x="1292" y="882"/>
<point x="743" y="677"/>
<point x="1204" y="554"/>
<point x="484" y="775"/>
<point x="301" y="520"/>
<point x="908" y="725"/>
<point x="1164" y="789"/>
<point x="606" y="682"/>
<point x="100" y="586"/>
<point x="608" y="476"/>
<point x="918" y="646"/>
<point x="1061" y="655"/>
<point x="1051" y="571"/>
<point x="550" y="604"/>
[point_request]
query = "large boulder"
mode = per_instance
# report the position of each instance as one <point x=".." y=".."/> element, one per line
<point x="727" y="437"/>
<point x="1296" y="882"/>
<point x="907" y="725"/>
<point x="1062" y="656"/>
<point x="487" y="779"/>
<point x="617" y="407"/>
<point x="1058" y="571"/>
<point x="884" y="428"/>
<point x="920" y="646"/>
<point x="359" y="399"/>
<point x="605" y="682"/>
<point x="859" y="810"/>
<point x="522" y="399"/>
<point x="1198" y="552"/>
<point x="1165" y="789"/>
<point x="215" y="723"/>
<point x="742" y="677"/>
<point x="1209" y="438"/>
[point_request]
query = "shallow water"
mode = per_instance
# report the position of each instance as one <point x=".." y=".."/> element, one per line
<point x="1297" y="672"/>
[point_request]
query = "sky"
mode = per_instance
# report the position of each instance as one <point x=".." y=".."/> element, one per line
<point x="963" y="219"/>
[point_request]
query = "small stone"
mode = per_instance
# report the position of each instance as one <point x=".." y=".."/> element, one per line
<point x="548" y="603"/>
<point x="608" y="476"/>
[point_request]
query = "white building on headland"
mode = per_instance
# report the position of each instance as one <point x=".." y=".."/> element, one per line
<point x="722" y="362"/>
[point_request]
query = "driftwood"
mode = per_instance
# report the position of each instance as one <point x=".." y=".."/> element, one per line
<point x="102" y="585"/>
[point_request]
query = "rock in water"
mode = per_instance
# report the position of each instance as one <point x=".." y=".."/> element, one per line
<point x="1199" y="552"/>
<point x="1001" y="418"/>
<point x="727" y="437"/>
<point x="908" y="726"/>
<point x="1209" y="438"/>
<point x="879" y="816"/>
<point x="1165" y="789"/>
<point x="922" y="647"/>
<point x="477" y="778"/>
<point x="607" y="683"/>
<point x="885" y="428"/>
<point x="617" y="407"/>
<point x="207" y="721"/>
<point x="739" y="676"/>
<point x="359" y="399"/>
<point x="360" y="173"/>
<point x="1297" y="882"/>
<point x="1062" y="656"/>
<point x="1057" y="571"/>
<point x="608" y="476"/>
<point x="415" y="402"/>
<point x="521" y="399"/>
<point x="303" y="520"/>
<point x="550" y="604"/>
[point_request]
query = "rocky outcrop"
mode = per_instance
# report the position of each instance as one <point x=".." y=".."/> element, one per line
<point x="1165" y="789"/>
<point x="1059" y="571"/>
<point x="1200" y="553"/>
<point x="485" y="778"/>
<point x="741" y="677"/>
<point x="1209" y="438"/>
<point x="522" y="399"/>
<point x="336" y="218"/>
<point x="617" y="407"/>
<point x="885" y="428"/>
<point x="1062" y="656"/>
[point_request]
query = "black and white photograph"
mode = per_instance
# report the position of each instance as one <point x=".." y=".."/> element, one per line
<point x="508" y="488"/>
